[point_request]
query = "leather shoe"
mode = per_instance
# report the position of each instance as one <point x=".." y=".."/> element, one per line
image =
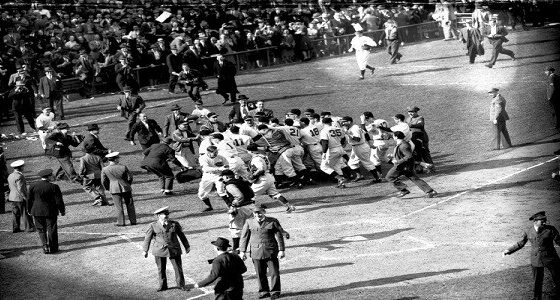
<point x="264" y="296"/>
<point x="403" y="193"/>
<point x="97" y="203"/>
<point x="431" y="194"/>
<point x="160" y="289"/>
<point x="274" y="296"/>
<point x="184" y="288"/>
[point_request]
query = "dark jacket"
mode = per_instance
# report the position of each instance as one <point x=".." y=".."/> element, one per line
<point x="226" y="77"/>
<point x="45" y="200"/>
<point x="132" y="104"/>
<point x="146" y="136"/>
<point x="157" y="156"/>
<point x="166" y="240"/>
<point x="50" y="88"/>
<point x="22" y="100"/>
<point x="227" y="269"/>
<point x="543" y="253"/>
<point x="403" y="156"/>
<point x="171" y="122"/>
<point x="92" y="145"/>
<point x="60" y="151"/>
<point x="174" y="63"/>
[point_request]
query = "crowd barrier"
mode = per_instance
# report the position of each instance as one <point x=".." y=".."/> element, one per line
<point x="270" y="56"/>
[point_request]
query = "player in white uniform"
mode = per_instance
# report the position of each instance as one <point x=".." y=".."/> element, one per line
<point x="227" y="149"/>
<point x="248" y="127"/>
<point x="240" y="141"/>
<point x="294" y="154"/>
<point x="205" y="142"/>
<point x="44" y="124"/>
<point x="263" y="183"/>
<point x="362" y="45"/>
<point x="379" y="139"/>
<point x="212" y="166"/>
<point x="361" y="150"/>
<point x="312" y="144"/>
<point x="332" y="162"/>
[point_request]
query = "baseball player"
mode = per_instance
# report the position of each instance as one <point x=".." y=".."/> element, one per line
<point x="362" y="45"/>
<point x="379" y="138"/>
<point x="212" y="166"/>
<point x="240" y="141"/>
<point x="332" y="162"/>
<point x="227" y="149"/>
<point x="294" y="154"/>
<point x="312" y="144"/>
<point x="361" y="150"/>
<point x="263" y="183"/>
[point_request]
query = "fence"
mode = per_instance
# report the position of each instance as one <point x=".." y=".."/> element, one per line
<point x="269" y="56"/>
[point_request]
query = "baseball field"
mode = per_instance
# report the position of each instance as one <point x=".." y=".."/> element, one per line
<point x="361" y="242"/>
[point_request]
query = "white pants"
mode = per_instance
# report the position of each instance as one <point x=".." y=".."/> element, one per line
<point x="315" y="153"/>
<point x="361" y="155"/>
<point x="265" y="186"/>
<point x="43" y="136"/>
<point x="333" y="161"/>
<point x="290" y="161"/>
<point x="379" y="154"/>
<point x="206" y="184"/>
<point x="238" y="167"/>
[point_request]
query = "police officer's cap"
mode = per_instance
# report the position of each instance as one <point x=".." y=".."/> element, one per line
<point x="538" y="216"/>
<point x="45" y="173"/>
<point x="17" y="163"/>
<point x="163" y="210"/>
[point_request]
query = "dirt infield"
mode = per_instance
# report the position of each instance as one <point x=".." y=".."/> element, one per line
<point x="356" y="243"/>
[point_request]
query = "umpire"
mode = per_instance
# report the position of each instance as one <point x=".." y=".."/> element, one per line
<point x="44" y="204"/>
<point x="227" y="269"/>
<point x="543" y="254"/>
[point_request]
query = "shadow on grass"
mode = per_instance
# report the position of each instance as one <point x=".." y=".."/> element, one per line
<point x="269" y="82"/>
<point x="297" y="270"/>
<point x="334" y="244"/>
<point x="372" y="283"/>
<point x="450" y="169"/>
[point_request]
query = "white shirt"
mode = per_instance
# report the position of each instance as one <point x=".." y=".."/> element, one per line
<point x="200" y="112"/>
<point x="355" y="131"/>
<point x="45" y="120"/>
<point x="404" y="128"/>
<point x="310" y="135"/>
<point x="333" y="135"/>
<point x="249" y="130"/>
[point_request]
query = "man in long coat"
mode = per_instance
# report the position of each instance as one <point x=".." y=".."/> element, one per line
<point x="50" y="89"/>
<point x="117" y="179"/>
<point x="499" y="116"/>
<point x="226" y="71"/>
<point x="148" y="131"/>
<point x="130" y="106"/>
<point x="92" y="144"/>
<point x="156" y="159"/>
<point x="44" y="204"/>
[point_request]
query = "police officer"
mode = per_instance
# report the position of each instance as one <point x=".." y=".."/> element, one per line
<point x="166" y="234"/>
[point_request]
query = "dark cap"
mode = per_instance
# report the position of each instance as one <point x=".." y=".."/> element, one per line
<point x="92" y="127"/>
<point x="175" y="107"/>
<point x="413" y="108"/>
<point x="327" y="121"/>
<point x="493" y="90"/>
<point x="221" y="243"/>
<point x="198" y="102"/>
<point x="295" y="111"/>
<point x="227" y="172"/>
<point x="252" y="147"/>
<point x="48" y="69"/>
<point x="325" y="113"/>
<point x="205" y="132"/>
<point x="309" y="110"/>
<point x="212" y="114"/>
<point x="242" y="97"/>
<point x="368" y="114"/>
<point x="538" y="216"/>
<point x="62" y="126"/>
<point x="218" y="136"/>
<point x="260" y="208"/>
<point x="399" y="135"/>
<point x="248" y="118"/>
<point x="550" y="68"/>
<point x="45" y="173"/>
<point x="347" y="119"/>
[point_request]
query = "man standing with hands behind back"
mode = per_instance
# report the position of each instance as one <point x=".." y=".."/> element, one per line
<point x="499" y="116"/>
<point x="166" y="234"/>
<point x="543" y="254"/>
<point x="264" y="235"/>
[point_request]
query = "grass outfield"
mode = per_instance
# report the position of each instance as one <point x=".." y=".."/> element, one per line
<point x="356" y="243"/>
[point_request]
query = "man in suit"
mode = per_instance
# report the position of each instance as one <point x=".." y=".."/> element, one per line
<point x="50" y="88"/>
<point x="174" y="62"/>
<point x="499" y="116"/>
<point x="543" y="254"/>
<point x="125" y="75"/>
<point x="18" y="197"/>
<point x="403" y="165"/>
<point x="23" y="105"/>
<point x="472" y="39"/>
<point x="156" y="159"/>
<point x="553" y="92"/>
<point x="260" y="109"/>
<point x="130" y="106"/>
<point x="166" y="234"/>
<point x="148" y="131"/>
<point x="496" y="38"/>
<point x="117" y="179"/>
<point x="173" y="120"/>
<point x="264" y="235"/>
<point x="91" y="143"/>
<point x="90" y="171"/>
<point x="58" y="146"/>
<point x="227" y="269"/>
<point x="85" y="70"/>
<point x="45" y="203"/>
<point x="226" y="71"/>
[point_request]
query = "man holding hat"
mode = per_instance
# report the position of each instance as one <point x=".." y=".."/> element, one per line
<point x="130" y="106"/>
<point x="92" y="144"/>
<point x="18" y="197"/>
<point x="264" y="236"/>
<point x="227" y="269"/>
<point x="117" y="179"/>
<point x="553" y="92"/>
<point x="45" y="203"/>
<point x="23" y="105"/>
<point x="50" y="89"/>
<point x="166" y="234"/>
<point x="58" y="146"/>
<point x="543" y="255"/>
<point x="499" y="116"/>
<point x="362" y="45"/>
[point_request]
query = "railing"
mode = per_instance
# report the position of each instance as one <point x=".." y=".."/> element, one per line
<point x="269" y="56"/>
